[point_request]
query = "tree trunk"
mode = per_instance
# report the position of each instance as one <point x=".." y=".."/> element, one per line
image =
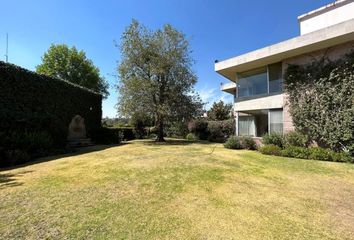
<point x="160" y="137"/>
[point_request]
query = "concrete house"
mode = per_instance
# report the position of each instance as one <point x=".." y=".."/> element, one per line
<point x="256" y="77"/>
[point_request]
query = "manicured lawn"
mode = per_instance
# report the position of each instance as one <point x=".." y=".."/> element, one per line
<point x="143" y="190"/>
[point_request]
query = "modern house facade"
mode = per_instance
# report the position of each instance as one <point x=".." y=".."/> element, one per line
<point x="260" y="105"/>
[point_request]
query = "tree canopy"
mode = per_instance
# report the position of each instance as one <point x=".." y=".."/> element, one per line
<point x="156" y="76"/>
<point x="72" y="65"/>
<point x="220" y="111"/>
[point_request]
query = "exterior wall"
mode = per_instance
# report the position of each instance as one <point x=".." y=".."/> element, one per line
<point x="329" y="15"/>
<point x="266" y="102"/>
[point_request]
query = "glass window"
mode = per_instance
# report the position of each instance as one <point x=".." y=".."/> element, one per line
<point x="276" y="121"/>
<point x="246" y="126"/>
<point x="275" y="78"/>
<point x="252" y="83"/>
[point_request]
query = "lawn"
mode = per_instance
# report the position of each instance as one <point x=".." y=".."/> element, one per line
<point x="176" y="190"/>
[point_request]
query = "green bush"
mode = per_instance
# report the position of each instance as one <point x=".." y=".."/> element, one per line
<point x="199" y="127"/>
<point x="32" y="103"/>
<point x="248" y="143"/>
<point x="274" y="139"/>
<point x="270" y="149"/>
<point x="109" y="136"/>
<point x="191" y="137"/>
<point x="296" y="139"/>
<point x="296" y="152"/>
<point x="342" y="157"/>
<point x="21" y="146"/>
<point x="128" y="133"/>
<point x="233" y="142"/>
<point x="318" y="153"/>
<point x="219" y="131"/>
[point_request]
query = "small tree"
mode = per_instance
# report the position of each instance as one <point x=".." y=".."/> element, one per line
<point x="72" y="65"/>
<point x="220" y="111"/>
<point x="156" y="76"/>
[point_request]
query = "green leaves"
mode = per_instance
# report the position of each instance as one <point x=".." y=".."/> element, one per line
<point x="72" y="65"/>
<point x="156" y="76"/>
<point x="321" y="98"/>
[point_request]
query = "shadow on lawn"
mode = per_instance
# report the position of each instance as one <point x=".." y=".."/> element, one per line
<point x="9" y="179"/>
<point x="76" y="152"/>
<point x="170" y="141"/>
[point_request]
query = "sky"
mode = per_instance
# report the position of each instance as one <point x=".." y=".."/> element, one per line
<point x="216" y="30"/>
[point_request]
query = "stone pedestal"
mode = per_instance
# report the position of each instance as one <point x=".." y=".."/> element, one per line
<point x="77" y="133"/>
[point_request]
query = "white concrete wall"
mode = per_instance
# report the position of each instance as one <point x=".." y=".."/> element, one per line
<point x="330" y="15"/>
<point x="267" y="102"/>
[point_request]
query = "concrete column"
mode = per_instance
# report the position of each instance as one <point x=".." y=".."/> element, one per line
<point x="236" y="123"/>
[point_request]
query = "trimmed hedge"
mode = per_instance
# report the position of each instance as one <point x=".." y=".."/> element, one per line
<point x="315" y="153"/>
<point x="32" y="102"/>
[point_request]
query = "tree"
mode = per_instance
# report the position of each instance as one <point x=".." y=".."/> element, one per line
<point x="156" y="76"/>
<point x="72" y="65"/>
<point x="220" y="111"/>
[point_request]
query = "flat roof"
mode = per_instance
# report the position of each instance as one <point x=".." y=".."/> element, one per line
<point x="323" y="38"/>
<point x="323" y="9"/>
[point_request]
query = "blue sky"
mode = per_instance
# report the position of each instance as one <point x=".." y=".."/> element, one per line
<point x="216" y="30"/>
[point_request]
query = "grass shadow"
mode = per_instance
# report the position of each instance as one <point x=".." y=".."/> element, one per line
<point x="174" y="141"/>
<point x="75" y="152"/>
<point x="9" y="179"/>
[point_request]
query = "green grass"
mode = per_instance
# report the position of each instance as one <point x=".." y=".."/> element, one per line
<point x="177" y="190"/>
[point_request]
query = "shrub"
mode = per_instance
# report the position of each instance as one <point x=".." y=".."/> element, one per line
<point x="55" y="103"/>
<point x="128" y="133"/>
<point x="21" y="146"/>
<point x="199" y="127"/>
<point x="248" y="143"/>
<point x="109" y="136"/>
<point x="296" y="152"/>
<point x="318" y="153"/>
<point x="270" y="149"/>
<point x="342" y="157"/>
<point x="296" y="139"/>
<point x="233" y="142"/>
<point x="191" y="137"/>
<point x="219" y="131"/>
<point x="274" y="139"/>
<point x="318" y="89"/>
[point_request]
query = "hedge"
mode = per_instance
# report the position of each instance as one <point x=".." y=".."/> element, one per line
<point x="33" y="102"/>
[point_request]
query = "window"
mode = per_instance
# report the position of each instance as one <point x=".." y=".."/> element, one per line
<point x="260" y="81"/>
<point x="246" y="126"/>
<point x="276" y="121"/>
<point x="252" y="83"/>
<point x="275" y="78"/>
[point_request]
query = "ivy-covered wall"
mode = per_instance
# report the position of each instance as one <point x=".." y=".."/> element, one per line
<point x="34" y="102"/>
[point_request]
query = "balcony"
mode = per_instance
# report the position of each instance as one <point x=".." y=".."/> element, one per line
<point x="228" y="87"/>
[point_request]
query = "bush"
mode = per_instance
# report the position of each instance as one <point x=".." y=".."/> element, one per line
<point x="318" y="153"/>
<point x="128" y="133"/>
<point x="342" y="157"/>
<point x="109" y="136"/>
<point x="21" y="146"/>
<point x="219" y="131"/>
<point x="233" y="142"/>
<point x="248" y="143"/>
<point x="191" y="137"/>
<point x="270" y="149"/>
<point x="296" y="152"/>
<point x="296" y="139"/>
<point x="55" y="103"/>
<point x="274" y="139"/>
<point x="199" y="127"/>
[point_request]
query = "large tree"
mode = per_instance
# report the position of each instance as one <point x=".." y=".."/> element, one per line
<point x="220" y="111"/>
<point x="72" y="65"/>
<point x="156" y="76"/>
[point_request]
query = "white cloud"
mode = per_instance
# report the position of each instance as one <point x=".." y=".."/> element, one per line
<point x="211" y="95"/>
